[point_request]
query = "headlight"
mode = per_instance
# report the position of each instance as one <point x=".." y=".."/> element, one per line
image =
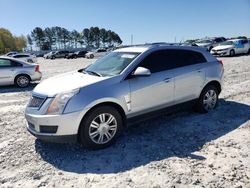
<point x="60" y="101"/>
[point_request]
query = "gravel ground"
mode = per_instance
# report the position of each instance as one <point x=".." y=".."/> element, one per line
<point x="185" y="149"/>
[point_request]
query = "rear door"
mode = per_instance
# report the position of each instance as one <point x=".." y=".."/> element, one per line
<point x="189" y="74"/>
<point x="8" y="70"/>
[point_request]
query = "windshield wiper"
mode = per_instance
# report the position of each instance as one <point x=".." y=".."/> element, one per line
<point x="93" y="72"/>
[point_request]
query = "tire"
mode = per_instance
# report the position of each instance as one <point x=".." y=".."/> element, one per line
<point x="208" y="99"/>
<point x="53" y="57"/>
<point x="248" y="51"/>
<point x="91" y="56"/>
<point x="210" y="48"/>
<point x="103" y="135"/>
<point x="232" y="53"/>
<point x="22" y="81"/>
<point x="29" y="61"/>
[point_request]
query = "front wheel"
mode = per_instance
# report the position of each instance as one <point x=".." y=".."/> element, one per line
<point x="208" y="99"/>
<point x="101" y="127"/>
<point x="232" y="53"/>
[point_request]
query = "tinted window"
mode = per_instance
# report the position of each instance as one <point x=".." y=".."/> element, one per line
<point x="9" y="63"/>
<point x="23" y="56"/>
<point x="170" y="59"/>
<point x="218" y="40"/>
<point x="244" y="41"/>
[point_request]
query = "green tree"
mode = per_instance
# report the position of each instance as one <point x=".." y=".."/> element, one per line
<point x="39" y="37"/>
<point x="7" y="41"/>
<point x="20" y="43"/>
<point x="30" y="41"/>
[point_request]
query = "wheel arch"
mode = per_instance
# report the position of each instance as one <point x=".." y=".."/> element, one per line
<point x="22" y="74"/>
<point x="215" y="83"/>
<point x="117" y="106"/>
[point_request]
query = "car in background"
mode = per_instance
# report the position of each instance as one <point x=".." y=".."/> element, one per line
<point x="93" y="105"/>
<point x="96" y="54"/>
<point x="40" y="54"/>
<point x="209" y="43"/>
<point x="26" y="57"/>
<point x="47" y="55"/>
<point x="11" y="53"/>
<point x="21" y="73"/>
<point x="232" y="47"/>
<point x="58" y="54"/>
<point x="76" y="54"/>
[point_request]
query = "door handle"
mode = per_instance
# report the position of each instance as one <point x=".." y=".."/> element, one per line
<point x="199" y="70"/>
<point x="166" y="80"/>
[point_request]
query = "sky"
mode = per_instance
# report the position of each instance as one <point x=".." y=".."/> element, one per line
<point x="146" y="20"/>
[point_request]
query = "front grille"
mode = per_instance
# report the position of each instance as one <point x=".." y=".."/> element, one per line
<point x="36" y="102"/>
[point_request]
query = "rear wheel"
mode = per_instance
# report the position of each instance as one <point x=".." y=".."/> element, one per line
<point x="232" y="53"/>
<point x="22" y="81"/>
<point x="91" y="56"/>
<point x="208" y="99"/>
<point x="101" y="127"/>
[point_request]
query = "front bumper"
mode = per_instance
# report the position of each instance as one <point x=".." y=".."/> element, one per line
<point x="55" y="139"/>
<point x="54" y="128"/>
<point x="220" y="52"/>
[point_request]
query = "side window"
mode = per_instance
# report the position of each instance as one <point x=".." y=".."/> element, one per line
<point x="170" y="59"/>
<point x="16" y="64"/>
<point x="244" y="42"/>
<point x="5" y="63"/>
<point x="154" y="62"/>
<point x="218" y="40"/>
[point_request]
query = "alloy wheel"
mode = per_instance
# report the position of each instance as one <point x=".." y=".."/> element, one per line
<point x="210" y="100"/>
<point x="103" y="128"/>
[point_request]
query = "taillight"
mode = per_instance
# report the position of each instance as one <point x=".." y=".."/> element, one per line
<point x="37" y="68"/>
<point x="221" y="62"/>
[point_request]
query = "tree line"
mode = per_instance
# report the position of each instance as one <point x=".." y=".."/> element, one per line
<point x="9" y="42"/>
<point x="60" y="38"/>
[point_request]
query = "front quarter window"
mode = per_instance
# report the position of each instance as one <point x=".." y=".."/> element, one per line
<point x="112" y="64"/>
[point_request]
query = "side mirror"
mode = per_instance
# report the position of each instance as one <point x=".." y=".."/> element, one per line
<point x="141" y="71"/>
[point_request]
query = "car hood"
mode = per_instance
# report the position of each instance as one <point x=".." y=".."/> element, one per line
<point x="65" y="82"/>
<point x="203" y="44"/>
<point x="221" y="47"/>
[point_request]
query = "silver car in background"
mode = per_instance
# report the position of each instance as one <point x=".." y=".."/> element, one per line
<point x="25" y="57"/>
<point x="210" y="43"/>
<point x="20" y="73"/>
<point x="94" y="104"/>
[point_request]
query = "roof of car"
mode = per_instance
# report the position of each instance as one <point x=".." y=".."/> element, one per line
<point x="145" y="47"/>
<point x="14" y="59"/>
<point x="138" y="49"/>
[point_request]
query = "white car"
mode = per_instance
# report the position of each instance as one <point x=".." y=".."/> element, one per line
<point x="96" y="54"/>
<point x="232" y="47"/>
<point x="25" y="57"/>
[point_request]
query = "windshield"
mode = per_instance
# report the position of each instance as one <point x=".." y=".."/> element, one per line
<point x="227" y="43"/>
<point x="204" y="41"/>
<point x="112" y="64"/>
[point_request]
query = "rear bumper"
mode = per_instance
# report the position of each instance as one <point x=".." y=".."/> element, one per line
<point x="36" y="76"/>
